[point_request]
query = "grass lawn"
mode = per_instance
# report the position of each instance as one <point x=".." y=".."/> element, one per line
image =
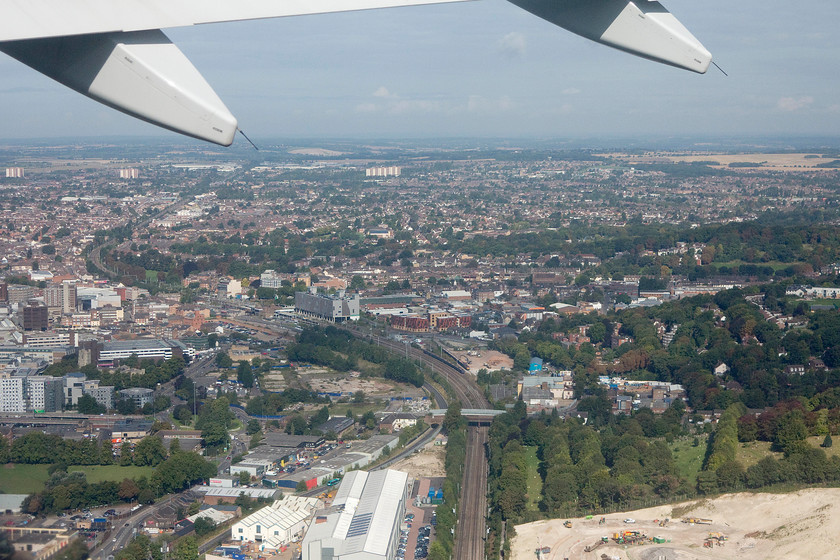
<point x="834" y="302"/>
<point x="689" y="459"/>
<point x="22" y="479"/>
<point x="100" y="473"/>
<point x="534" y="479"/>
<point x="816" y="441"/>
<point x="750" y="453"/>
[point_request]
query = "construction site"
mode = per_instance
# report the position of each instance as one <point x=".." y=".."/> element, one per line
<point x="800" y="525"/>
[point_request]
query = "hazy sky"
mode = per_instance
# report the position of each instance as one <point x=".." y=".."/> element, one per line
<point x="483" y="68"/>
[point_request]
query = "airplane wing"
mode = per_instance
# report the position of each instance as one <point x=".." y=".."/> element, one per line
<point x="114" y="52"/>
<point x="34" y="19"/>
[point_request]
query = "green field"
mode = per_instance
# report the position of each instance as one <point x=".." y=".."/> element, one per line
<point x="22" y="479"/>
<point x="101" y="473"/>
<point x="689" y="459"/>
<point x="750" y="453"/>
<point x="534" y="479"/>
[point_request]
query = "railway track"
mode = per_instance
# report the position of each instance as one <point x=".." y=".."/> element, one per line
<point x="472" y="516"/>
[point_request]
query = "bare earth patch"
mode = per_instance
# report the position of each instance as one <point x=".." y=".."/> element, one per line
<point x="800" y="525"/>
<point x="428" y="463"/>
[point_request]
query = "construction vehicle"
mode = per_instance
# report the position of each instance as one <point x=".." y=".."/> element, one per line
<point x="628" y="537"/>
<point x="567" y="524"/>
<point x="664" y="522"/>
<point x="719" y="537"/>
<point x="697" y="521"/>
<point x="593" y="547"/>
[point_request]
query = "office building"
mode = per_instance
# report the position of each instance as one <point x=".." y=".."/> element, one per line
<point x="337" y="307"/>
<point x="143" y="348"/>
<point x="35" y="316"/>
<point x="139" y="395"/>
<point x="61" y="297"/>
<point x="19" y="294"/>
<point x="270" y="279"/>
<point x="11" y="392"/>
<point x="44" y="393"/>
<point x="385" y="171"/>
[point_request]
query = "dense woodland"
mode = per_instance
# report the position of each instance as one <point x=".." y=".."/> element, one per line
<point x="728" y="328"/>
<point x="627" y="463"/>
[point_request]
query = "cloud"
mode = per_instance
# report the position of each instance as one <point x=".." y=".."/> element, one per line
<point x="570" y="91"/>
<point x="790" y="104"/>
<point x="383" y="92"/>
<point x="513" y="44"/>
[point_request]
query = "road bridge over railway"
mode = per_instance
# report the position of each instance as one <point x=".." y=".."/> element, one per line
<point x="473" y="416"/>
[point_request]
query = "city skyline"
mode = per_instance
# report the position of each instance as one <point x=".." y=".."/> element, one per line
<point x="478" y="69"/>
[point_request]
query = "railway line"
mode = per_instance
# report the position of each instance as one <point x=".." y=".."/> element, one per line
<point x="472" y="515"/>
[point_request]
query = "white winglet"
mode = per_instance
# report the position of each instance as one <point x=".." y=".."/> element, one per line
<point x="645" y="28"/>
<point x="140" y="73"/>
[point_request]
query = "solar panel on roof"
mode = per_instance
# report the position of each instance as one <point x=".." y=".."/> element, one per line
<point x="359" y="525"/>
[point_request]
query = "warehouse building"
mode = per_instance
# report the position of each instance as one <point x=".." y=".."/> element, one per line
<point x="276" y="525"/>
<point x="363" y="522"/>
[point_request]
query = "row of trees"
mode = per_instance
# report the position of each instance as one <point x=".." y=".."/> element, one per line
<point x="801" y="463"/>
<point x="340" y="350"/>
<point x="455" y="427"/>
<point x="41" y="448"/>
<point x="65" y="491"/>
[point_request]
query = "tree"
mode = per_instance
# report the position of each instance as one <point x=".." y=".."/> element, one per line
<point x="88" y="405"/>
<point x="149" y="452"/>
<point x="827" y="441"/>
<point x="791" y="432"/>
<point x="187" y="550"/>
<point x="357" y="283"/>
<point x="203" y="525"/>
<point x="125" y="453"/>
<point x="223" y="360"/>
<point x="215" y="437"/>
<point x="244" y="477"/>
<point x="253" y="427"/>
<point x="128" y="490"/>
<point x="245" y="375"/>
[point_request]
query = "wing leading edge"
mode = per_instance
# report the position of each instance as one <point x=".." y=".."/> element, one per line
<point x="114" y="51"/>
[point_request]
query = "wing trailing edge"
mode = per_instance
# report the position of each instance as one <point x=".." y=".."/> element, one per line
<point x="644" y="28"/>
<point x="141" y="73"/>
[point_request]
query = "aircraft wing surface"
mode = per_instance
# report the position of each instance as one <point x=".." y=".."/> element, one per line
<point x="114" y="51"/>
<point x="34" y="19"/>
